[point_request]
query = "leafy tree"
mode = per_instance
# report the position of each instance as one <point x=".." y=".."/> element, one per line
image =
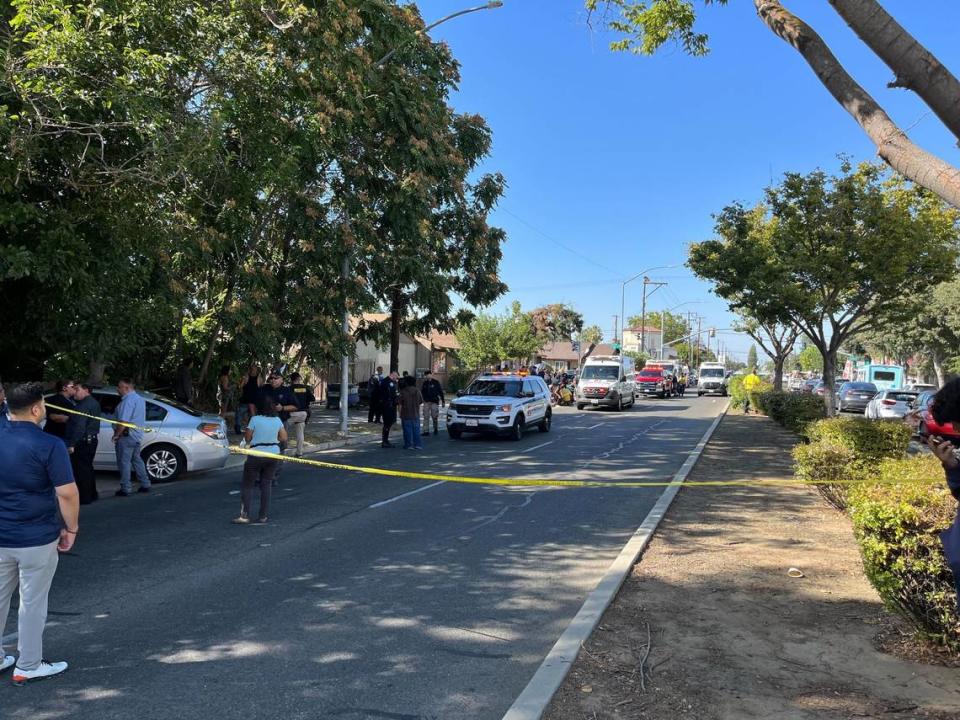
<point x="557" y="322"/>
<point x="776" y="339"/>
<point x="488" y="339"/>
<point x="810" y="359"/>
<point x="647" y="25"/>
<point x="674" y="326"/>
<point x="590" y="336"/>
<point x="834" y="256"/>
<point x="752" y="357"/>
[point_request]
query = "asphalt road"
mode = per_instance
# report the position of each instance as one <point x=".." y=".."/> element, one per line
<point x="365" y="596"/>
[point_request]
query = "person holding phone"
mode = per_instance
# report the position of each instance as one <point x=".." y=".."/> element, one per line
<point x="945" y="408"/>
<point x="39" y="518"/>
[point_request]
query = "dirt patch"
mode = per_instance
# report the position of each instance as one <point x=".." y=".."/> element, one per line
<point x="731" y="635"/>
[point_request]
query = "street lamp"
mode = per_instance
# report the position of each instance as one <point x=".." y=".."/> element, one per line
<point x="345" y="268"/>
<point x="623" y="294"/>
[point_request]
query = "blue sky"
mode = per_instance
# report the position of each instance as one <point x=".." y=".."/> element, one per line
<point x="623" y="159"/>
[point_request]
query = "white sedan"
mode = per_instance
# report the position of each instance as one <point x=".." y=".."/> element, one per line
<point x="889" y="405"/>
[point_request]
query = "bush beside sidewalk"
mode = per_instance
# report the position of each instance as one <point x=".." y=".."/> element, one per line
<point x="709" y="624"/>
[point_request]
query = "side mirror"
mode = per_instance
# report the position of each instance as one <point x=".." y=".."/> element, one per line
<point x="461" y="393"/>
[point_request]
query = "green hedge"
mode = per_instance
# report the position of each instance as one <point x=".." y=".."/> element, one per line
<point x="738" y="396"/>
<point x="459" y="378"/>
<point x="845" y="450"/>
<point x="792" y="410"/>
<point x="897" y="527"/>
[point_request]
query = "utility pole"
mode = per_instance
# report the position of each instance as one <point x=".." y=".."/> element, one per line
<point x="615" y="328"/>
<point x="699" y="324"/>
<point x="643" y="311"/>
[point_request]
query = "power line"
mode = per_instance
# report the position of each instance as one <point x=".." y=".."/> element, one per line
<point x="558" y="243"/>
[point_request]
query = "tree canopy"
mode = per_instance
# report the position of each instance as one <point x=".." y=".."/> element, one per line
<point x="835" y="256"/>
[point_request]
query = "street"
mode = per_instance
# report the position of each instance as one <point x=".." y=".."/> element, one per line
<point x="365" y="596"/>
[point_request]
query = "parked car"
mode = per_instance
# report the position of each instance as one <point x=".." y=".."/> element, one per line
<point x="921" y="420"/>
<point x="855" y="396"/>
<point x="920" y="387"/>
<point x="809" y="385"/>
<point x="890" y="405"/>
<point x="181" y="439"/>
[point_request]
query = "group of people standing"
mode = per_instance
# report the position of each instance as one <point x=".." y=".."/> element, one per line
<point x="394" y="394"/>
<point x="73" y="415"/>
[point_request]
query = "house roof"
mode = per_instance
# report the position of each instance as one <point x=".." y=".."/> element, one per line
<point x="559" y="351"/>
<point x="444" y="341"/>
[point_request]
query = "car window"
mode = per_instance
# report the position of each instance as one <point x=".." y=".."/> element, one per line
<point x="508" y="388"/>
<point x="528" y="386"/>
<point x="155" y="413"/>
<point x="861" y="386"/>
<point x="108" y="402"/>
<point x="901" y="396"/>
<point x="601" y="372"/>
<point x="542" y="386"/>
<point x="712" y="373"/>
<point x="178" y="405"/>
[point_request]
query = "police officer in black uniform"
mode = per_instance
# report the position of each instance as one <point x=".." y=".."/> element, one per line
<point x="81" y="436"/>
<point x="389" y="398"/>
<point x="373" y="388"/>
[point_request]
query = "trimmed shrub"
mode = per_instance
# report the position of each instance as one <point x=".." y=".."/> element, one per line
<point x="897" y="522"/>
<point x="792" y="410"/>
<point x="738" y="396"/>
<point x="871" y="440"/>
<point x="459" y="378"/>
<point x="847" y="450"/>
<point x="754" y="393"/>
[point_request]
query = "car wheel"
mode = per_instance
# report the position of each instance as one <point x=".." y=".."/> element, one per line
<point x="546" y="423"/>
<point x="619" y="403"/>
<point x="922" y="430"/>
<point x="516" y="431"/>
<point x="699" y="394"/>
<point x="454" y="432"/>
<point x="164" y="463"/>
<point x="580" y="406"/>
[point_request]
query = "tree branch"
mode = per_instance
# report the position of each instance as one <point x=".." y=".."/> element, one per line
<point x="915" y="67"/>
<point x="892" y="143"/>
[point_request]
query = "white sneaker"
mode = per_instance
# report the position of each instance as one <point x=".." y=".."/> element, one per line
<point x="6" y="662"/>
<point x="45" y="670"/>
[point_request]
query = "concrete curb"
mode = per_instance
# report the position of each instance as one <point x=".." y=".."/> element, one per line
<point x="536" y="696"/>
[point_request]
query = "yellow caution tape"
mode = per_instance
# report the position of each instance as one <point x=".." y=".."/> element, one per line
<point x="515" y="482"/>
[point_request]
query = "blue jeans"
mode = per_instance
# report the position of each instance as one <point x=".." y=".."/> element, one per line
<point x="411" y="433"/>
<point x="128" y="452"/>
<point x="242" y="416"/>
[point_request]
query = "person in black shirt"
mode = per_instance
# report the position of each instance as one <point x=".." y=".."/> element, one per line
<point x="389" y="399"/>
<point x="247" y="407"/>
<point x="433" y="399"/>
<point x="57" y="419"/>
<point x="82" y="437"/>
<point x="303" y="397"/>
<point x="373" y="388"/>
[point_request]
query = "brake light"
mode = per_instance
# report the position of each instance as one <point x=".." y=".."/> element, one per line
<point x="889" y="402"/>
<point x="212" y="430"/>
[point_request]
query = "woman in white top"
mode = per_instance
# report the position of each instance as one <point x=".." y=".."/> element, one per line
<point x="264" y="434"/>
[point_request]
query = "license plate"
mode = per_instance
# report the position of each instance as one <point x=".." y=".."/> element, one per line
<point x="473" y="423"/>
<point x="594" y="402"/>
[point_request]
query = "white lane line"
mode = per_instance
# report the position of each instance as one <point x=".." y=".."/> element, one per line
<point x="594" y="427"/>
<point x="537" y="447"/>
<point x="405" y="495"/>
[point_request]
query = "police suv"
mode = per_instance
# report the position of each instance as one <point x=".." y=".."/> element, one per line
<point x="501" y="403"/>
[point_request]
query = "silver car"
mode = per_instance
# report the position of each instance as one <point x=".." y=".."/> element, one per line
<point x="181" y="439"/>
<point x="889" y="405"/>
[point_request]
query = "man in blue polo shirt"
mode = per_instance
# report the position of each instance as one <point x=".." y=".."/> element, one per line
<point x="127" y="438"/>
<point x="35" y="483"/>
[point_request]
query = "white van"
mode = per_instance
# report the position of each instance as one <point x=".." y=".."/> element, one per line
<point x="606" y="380"/>
<point x="712" y="379"/>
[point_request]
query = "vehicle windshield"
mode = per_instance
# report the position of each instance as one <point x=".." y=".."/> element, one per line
<point x="884" y="375"/>
<point x="502" y="388"/>
<point x="651" y="373"/>
<point x="601" y="372"/>
<point x="712" y="373"/>
<point x="861" y="387"/>
<point x="176" y="404"/>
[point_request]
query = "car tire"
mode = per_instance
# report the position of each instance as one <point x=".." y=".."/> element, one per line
<point x="546" y="423"/>
<point x="619" y="403"/>
<point x="454" y="432"/>
<point x="922" y="432"/>
<point x="165" y="463"/>
<point x="699" y="394"/>
<point x="580" y="406"/>
<point x="516" y="430"/>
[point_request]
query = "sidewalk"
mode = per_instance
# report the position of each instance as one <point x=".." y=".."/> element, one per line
<point x="710" y="626"/>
